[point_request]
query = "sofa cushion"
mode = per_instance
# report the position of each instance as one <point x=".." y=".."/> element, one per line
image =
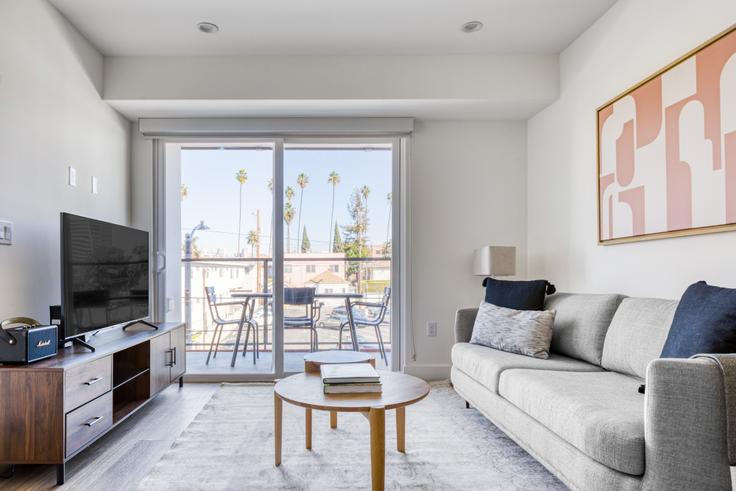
<point x="517" y="295"/>
<point x="704" y="322"/>
<point x="581" y="323"/>
<point x="486" y="364"/>
<point x="637" y="333"/>
<point x="526" y="332"/>
<point x="600" y="414"/>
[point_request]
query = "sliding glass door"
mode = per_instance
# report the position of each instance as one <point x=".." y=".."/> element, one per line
<point x="276" y="248"/>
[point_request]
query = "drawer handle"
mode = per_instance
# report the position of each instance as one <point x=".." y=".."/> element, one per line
<point x="93" y="421"/>
<point x="93" y="381"/>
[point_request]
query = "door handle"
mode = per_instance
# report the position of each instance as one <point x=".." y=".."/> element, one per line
<point x="93" y="421"/>
<point x="173" y="361"/>
<point x="160" y="262"/>
<point x="93" y="381"/>
<point x="170" y="363"/>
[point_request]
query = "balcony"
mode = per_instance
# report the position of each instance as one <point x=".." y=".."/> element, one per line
<point x="328" y="273"/>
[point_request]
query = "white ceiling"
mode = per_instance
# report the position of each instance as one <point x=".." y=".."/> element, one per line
<point x="326" y="27"/>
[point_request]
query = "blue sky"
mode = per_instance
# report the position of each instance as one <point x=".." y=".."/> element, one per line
<point x="213" y="193"/>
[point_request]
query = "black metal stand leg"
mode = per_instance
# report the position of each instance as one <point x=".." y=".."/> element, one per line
<point x="131" y="324"/>
<point x="181" y="381"/>
<point x="60" y="474"/>
<point x="82" y="343"/>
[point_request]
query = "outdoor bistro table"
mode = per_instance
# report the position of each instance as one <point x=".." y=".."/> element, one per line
<point x="348" y="297"/>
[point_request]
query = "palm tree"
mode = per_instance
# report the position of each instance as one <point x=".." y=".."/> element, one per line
<point x="184" y="191"/>
<point x="302" y="180"/>
<point x="242" y="177"/>
<point x="334" y="179"/>
<point x="288" y="217"/>
<point x="289" y="213"/>
<point x="252" y="241"/>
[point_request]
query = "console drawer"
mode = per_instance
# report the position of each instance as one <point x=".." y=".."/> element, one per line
<point x="88" y="422"/>
<point x="85" y="382"/>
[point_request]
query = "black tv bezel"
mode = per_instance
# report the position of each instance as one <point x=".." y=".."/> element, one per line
<point x="63" y="338"/>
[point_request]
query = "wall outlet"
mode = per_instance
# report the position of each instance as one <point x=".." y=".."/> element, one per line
<point x="6" y="233"/>
<point x="72" y="176"/>
<point x="431" y="329"/>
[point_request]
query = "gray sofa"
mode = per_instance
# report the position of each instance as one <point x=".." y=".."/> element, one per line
<point x="579" y="412"/>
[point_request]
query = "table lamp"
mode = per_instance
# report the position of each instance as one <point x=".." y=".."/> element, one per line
<point x="495" y="261"/>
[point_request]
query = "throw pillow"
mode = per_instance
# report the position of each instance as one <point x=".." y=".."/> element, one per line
<point x="519" y="295"/>
<point x="526" y="332"/>
<point x="704" y="322"/>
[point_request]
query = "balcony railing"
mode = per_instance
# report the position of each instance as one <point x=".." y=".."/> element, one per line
<point x="327" y="273"/>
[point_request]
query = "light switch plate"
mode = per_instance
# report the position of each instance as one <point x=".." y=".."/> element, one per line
<point x="6" y="233"/>
<point x="72" y="176"/>
<point x="94" y="185"/>
<point x="432" y="329"/>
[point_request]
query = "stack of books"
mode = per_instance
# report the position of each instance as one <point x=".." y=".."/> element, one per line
<point x="350" y="378"/>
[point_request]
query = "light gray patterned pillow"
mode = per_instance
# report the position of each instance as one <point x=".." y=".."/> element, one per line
<point x="526" y="332"/>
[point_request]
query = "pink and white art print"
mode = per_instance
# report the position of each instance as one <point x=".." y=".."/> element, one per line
<point x="667" y="150"/>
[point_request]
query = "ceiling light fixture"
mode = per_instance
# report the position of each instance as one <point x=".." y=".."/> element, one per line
<point x="208" y="27"/>
<point x="472" y="26"/>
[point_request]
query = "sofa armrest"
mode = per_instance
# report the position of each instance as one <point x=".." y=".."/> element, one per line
<point x="464" y="320"/>
<point x="685" y="426"/>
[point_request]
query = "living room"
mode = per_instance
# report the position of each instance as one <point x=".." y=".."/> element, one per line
<point x="512" y="221"/>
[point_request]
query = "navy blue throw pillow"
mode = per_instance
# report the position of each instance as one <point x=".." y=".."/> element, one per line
<point x="519" y="295"/>
<point x="704" y="322"/>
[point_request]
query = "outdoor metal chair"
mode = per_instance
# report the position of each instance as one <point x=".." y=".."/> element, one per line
<point x="303" y="297"/>
<point x="376" y="320"/>
<point x="246" y="317"/>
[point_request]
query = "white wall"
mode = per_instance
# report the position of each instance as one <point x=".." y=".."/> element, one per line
<point x="51" y="116"/>
<point x="330" y="77"/>
<point x="467" y="190"/>
<point x="630" y="42"/>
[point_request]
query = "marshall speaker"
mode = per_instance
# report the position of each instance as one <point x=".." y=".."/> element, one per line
<point x="24" y="340"/>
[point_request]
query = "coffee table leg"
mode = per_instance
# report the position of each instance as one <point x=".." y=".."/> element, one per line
<point x="377" y="418"/>
<point x="333" y="419"/>
<point x="401" y="429"/>
<point x="277" y="410"/>
<point x="308" y="426"/>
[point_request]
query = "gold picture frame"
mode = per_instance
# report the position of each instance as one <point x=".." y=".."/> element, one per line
<point x="725" y="227"/>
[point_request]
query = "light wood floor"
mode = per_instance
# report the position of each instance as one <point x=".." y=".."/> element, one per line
<point x="125" y="455"/>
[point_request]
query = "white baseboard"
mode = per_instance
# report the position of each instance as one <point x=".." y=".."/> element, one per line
<point x="428" y="372"/>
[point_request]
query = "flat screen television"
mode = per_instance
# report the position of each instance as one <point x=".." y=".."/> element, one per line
<point x="104" y="275"/>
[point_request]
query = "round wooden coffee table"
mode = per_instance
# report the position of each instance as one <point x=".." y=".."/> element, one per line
<point x="399" y="390"/>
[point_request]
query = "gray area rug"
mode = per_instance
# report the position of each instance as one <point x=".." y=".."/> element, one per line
<point x="229" y="445"/>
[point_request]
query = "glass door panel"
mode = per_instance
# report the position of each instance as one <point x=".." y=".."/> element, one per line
<point x="337" y="218"/>
<point x="224" y="239"/>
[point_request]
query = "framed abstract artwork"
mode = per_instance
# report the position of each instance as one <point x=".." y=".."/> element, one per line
<point x="667" y="150"/>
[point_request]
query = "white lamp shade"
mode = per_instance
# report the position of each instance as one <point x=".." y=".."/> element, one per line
<point x="495" y="261"/>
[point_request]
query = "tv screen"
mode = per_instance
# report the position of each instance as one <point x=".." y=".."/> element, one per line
<point x="104" y="274"/>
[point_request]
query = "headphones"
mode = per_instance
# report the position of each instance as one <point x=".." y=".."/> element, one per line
<point x="22" y="322"/>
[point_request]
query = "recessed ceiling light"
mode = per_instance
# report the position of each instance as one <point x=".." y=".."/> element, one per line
<point x="472" y="26"/>
<point x="208" y="27"/>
